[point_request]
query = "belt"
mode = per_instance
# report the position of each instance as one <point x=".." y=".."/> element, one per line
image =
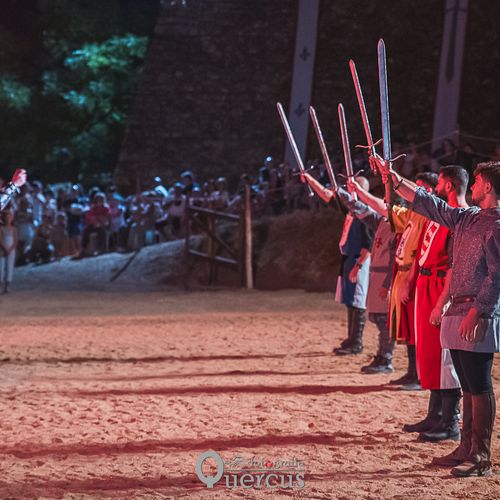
<point x="406" y="267"/>
<point x="428" y="272"/>
<point x="379" y="269"/>
<point x="462" y="299"/>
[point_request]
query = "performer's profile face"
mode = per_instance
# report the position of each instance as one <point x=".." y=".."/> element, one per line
<point x="443" y="186"/>
<point x="478" y="189"/>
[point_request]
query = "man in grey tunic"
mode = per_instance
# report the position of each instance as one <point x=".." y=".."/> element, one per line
<point x="470" y="327"/>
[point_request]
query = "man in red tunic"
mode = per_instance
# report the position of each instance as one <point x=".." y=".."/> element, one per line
<point x="434" y="364"/>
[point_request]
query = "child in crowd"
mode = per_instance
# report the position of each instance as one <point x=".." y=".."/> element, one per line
<point x="59" y="235"/>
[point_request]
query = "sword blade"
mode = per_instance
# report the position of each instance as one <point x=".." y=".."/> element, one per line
<point x="345" y="142"/>
<point x="322" y="145"/>
<point x="386" y="124"/>
<point x="291" y="141"/>
<point x="384" y="99"/>
<point x="362" y="107"/>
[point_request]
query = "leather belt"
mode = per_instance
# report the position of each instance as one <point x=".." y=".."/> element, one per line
<point x="406" y="267"/>
<point x="428" y="272"/>
<point x="462" y="299"/>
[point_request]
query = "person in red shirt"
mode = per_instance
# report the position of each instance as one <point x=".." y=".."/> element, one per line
<point x="97" y="220"/>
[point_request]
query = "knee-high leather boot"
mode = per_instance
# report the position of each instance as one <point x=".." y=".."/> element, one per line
<point x="357" y="328"/>
<point x="483" y="417"/>
<point x="462" y="453"/>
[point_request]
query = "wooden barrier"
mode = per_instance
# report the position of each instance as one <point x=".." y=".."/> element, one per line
<point x="240" y="258"/>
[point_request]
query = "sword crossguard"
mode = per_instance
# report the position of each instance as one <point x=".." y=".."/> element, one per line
<point x="370" y="146"/>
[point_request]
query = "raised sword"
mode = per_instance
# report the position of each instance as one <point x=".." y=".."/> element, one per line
<point x="292" y="142"/>
<point x="384" y="112"/>
<point x="322" y="145"/>
<point x="345" y="144"/>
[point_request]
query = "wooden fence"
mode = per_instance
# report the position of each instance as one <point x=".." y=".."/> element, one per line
<point x="204" y="220"/>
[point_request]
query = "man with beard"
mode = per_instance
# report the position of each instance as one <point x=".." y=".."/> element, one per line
<point x="470" y="327"/>
<point x="408" y="225"/>
<point x="434" y="364"/>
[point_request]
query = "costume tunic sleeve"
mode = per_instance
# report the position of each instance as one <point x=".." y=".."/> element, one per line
<point x="434" y="208"/>
<point x="488" y="297"/>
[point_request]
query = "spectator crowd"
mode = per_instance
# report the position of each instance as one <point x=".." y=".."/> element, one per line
<point x="50" y="222"/>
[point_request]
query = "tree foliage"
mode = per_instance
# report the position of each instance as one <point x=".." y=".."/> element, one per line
<point x="65" y="99"/>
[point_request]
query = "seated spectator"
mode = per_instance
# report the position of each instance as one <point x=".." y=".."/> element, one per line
<point x="136" y="209"/>
<point x="175" y="207"/>
<point x="159" y="188"/>
<point x="59" y="235"/>
<point x="38" y="203"/>
<point x="220" y="197"/>
<point x="50" y="207"/>
<point x="188" y="182"/>
<point x="118" y="225"/>
<point x="96" y="222"/>
<point x="75" y="205"/>
<point x="25" y="227"/>
<point x="42" y="250"/>
<point x="152" y="214"/>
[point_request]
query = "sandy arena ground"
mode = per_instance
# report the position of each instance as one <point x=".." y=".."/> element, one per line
<point x="115" y="395"/>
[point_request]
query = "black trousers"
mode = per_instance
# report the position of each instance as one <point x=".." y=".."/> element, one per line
<point x="473" y="370"/>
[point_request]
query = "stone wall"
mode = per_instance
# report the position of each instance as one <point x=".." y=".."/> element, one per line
<point x="215" y="69"/>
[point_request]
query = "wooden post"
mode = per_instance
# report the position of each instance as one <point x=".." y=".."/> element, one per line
<point x="211" y="250"/>
<point x="187" y="234"/>
<point x="248" y="238"/>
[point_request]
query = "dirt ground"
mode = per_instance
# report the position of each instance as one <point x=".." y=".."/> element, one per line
<point x="115" y="395"/>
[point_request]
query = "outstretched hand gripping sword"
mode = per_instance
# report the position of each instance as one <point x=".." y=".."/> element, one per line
<point x="292" y="142"/>
<point x="322" y="145"/>
<point x="345" y="144"/>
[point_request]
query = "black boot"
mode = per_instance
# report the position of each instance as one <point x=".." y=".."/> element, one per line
<point x="447" y="427"/>
<point x="379" y="364"/>
<point x="483" y="417"/>
<point x="347" y="343"/>
<point x="411" y="371"/>
<point x="462" y="453"/>
<point x="433" y="415"/>
<point x="358" y="326"/>
<point x="411" y="383"/>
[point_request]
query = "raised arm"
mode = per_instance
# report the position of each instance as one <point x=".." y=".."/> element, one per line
<point x="325" y="194"/>
<point x="376" y="204"/>
<point x="358" y="209"/>
<point x="425" y="204"/>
